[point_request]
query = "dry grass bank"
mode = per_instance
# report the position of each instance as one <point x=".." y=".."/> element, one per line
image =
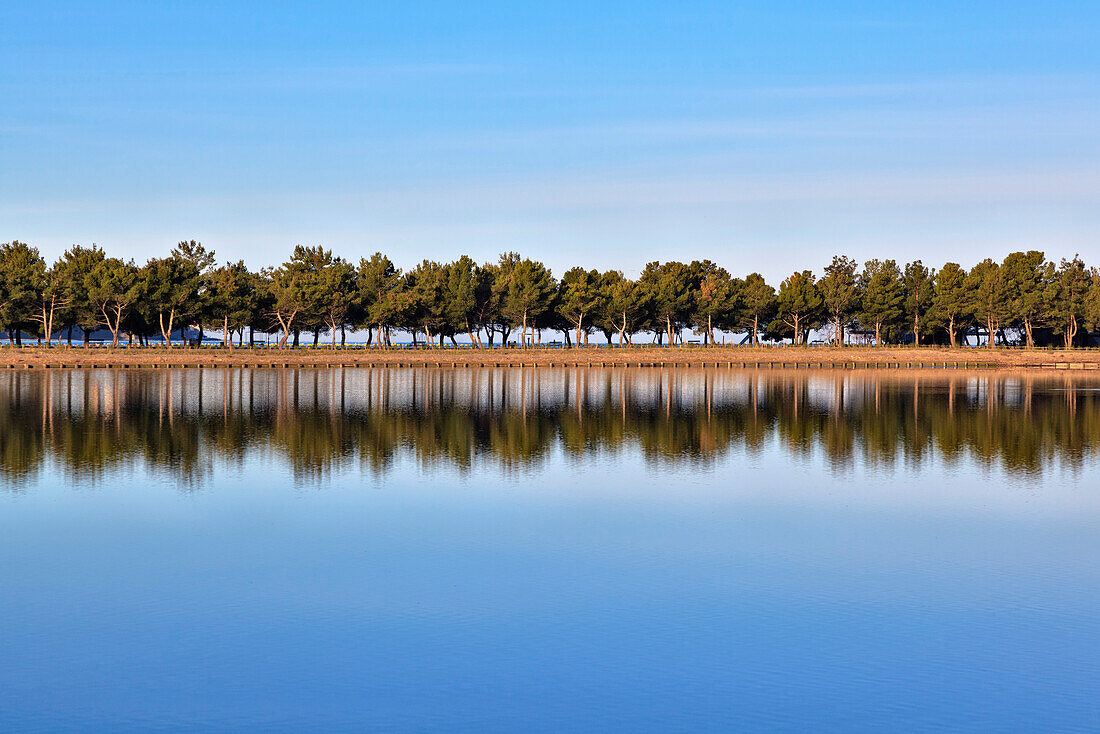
<point x="834" y="357"/>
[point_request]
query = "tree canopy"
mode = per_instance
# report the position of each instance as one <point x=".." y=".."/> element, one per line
<point x="1024" y="299"/>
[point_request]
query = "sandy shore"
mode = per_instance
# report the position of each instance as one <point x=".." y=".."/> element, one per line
<point x="777" y="357"/>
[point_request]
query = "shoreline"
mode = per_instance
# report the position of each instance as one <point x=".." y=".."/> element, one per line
<point x="692" y="356"/>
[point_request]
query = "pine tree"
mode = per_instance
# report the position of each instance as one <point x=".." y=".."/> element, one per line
<point x="840" y="291"/>
<point x="800" y="305"/>
<point x="883" y="296"/>
<point x="917" y="285"/>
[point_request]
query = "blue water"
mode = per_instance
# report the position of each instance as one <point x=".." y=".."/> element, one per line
<point x="593" y="592"/>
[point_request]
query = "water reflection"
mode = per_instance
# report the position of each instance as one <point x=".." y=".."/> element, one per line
<point x="186" y="421"/>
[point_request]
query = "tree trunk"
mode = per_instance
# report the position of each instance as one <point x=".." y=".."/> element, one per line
<point x="167" y="334"/>
<point x="1028" y="333"/>
<point x="285" y="324"/>
<point x="47" y="322"/>
<point x="475" y="339"/>
<point x="951" y="329"/>
<point x="113" y="327"/>
<point x="878" y="334"/>
<point x="916" y="330"/>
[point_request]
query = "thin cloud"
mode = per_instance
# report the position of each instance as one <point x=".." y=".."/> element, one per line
<point x="586" y="193"/>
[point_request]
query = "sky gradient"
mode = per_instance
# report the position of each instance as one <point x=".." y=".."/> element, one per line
<point x="764" y="136"/>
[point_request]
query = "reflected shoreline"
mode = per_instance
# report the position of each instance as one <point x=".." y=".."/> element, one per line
<point x="321" y="420"/>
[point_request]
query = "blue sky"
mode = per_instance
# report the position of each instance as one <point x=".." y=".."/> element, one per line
<point x="761" y="135"/>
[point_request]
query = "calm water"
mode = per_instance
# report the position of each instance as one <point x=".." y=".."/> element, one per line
<point x="557" y="550"/>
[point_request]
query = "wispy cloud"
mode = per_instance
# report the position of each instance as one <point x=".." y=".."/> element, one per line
<point x="634" y="193"/>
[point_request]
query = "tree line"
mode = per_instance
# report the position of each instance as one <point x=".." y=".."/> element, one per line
<point x="1024" y="299"/>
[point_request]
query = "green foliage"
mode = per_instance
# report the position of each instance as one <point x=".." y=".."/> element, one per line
<point x="195" y="255"/>
<point x="840" y="292"/>
<point x="716" y="296"/>
<point x="989" y="297"/>
<point x="426" y="286"/>
<point x="338" y="294"/>
<point x="918" y="286"/>
<point x="1068" y="292"/>
<point x="624" y="305"/>
<point x="799" y="306"/>
<point x="171" y="288"/>
<point x="463" y="289"/>
<point x="530" y="293"/>
<point x="318" y="291"/>
<point x="296" y="290"/>
<point x="22" y="280"/>
<point x="232" y="297"/>
<point x="113" y="286"/>
<point x="668" y="287"/>
<point x="579" y="294"/>
<point x="73" y="269"/>
<point x="951" y="304"/>
<point x="1092" y="301"/>
<point x="758" y="304"/>
<point x="381" y="294"/>
<point x="498" y="276"/>
<point x="1026" y="288"/>
<point x="882" y="296"/>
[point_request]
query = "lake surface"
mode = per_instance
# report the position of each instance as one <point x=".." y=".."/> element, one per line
<point x="548" y="550"/>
